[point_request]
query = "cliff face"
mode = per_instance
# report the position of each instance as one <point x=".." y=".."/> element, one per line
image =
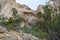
<point x="24" y="11"/>
<point x="6" y="7"/>
<point x="6" y="10"/>
<point x="54" y="3"/>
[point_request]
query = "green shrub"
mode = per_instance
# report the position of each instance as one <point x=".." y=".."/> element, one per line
<point x="39" y="14"/>
<point x="10" y="24"/>
<point x="15" y="12"/>
<point x="48" y="28"/>
<point x="38" y="33"/>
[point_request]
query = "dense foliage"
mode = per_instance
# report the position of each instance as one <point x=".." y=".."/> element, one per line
<point x="49" y="29"/>
<point x="50" y="26"/>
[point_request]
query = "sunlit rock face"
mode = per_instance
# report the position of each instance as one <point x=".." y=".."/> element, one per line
<point x="23" y="10"/>
<point x="40" y="9"/>
<point x="54" y="5"/>
<point x="6" y="7"/>
<point x="54" y="2"/>
<point x="51" y="3"/>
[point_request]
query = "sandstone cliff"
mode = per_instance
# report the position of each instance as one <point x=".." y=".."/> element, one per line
<point x="23" y="11"/>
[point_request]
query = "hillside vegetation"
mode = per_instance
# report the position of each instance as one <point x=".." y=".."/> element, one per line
<point x="45" y="25"/>
<point x="49" y="29"/>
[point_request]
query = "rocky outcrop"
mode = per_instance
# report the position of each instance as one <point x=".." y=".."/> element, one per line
<point x="57" y="1"/>
<point x="23" y="11"/>
<point x="7" y="5"/>
<point x="54" y="5"/>
<point x="13" y="35"/>
<point x="40" y="9"/>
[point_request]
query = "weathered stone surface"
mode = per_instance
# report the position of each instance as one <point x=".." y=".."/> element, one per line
<point x="28" y="37"/>
<point x="13" y="35"/>
<point x="6" y="10"/>
<point x="2" y="29"/>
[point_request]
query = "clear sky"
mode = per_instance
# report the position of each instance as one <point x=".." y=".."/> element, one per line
<point x="32" y="3"/>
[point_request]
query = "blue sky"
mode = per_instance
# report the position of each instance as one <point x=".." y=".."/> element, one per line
<point x="32" y="3"/>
